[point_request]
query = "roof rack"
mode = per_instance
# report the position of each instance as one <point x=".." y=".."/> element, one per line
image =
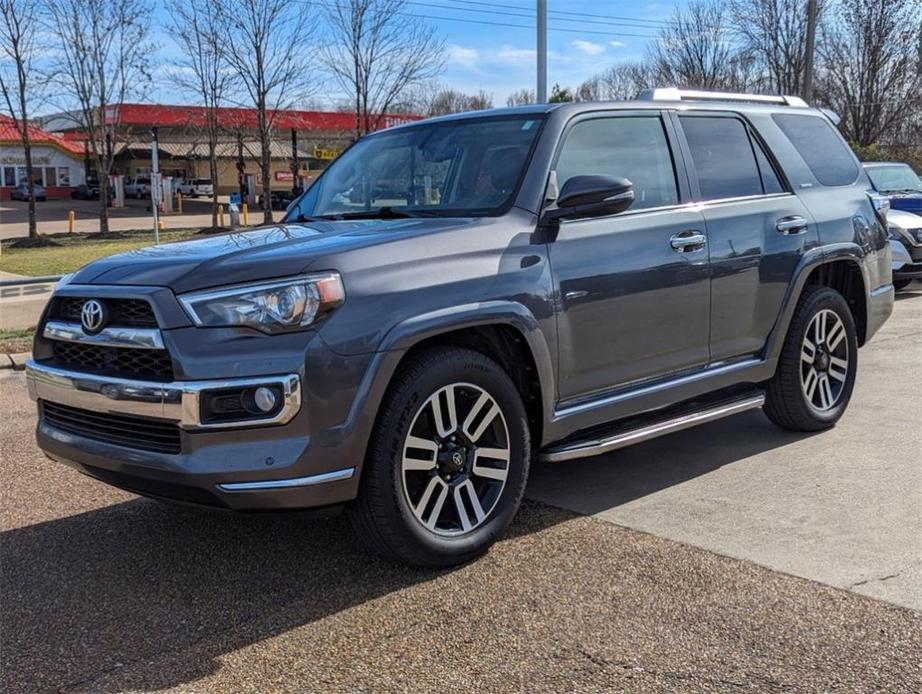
<point x="674" y="94"/>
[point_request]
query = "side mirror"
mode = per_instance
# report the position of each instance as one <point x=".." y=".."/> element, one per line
<point x="592" y="196"/>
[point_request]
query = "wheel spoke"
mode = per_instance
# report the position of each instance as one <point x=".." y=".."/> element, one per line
<point x="414" y="461"/>
<point x="825" y="388"/>
<point x="467" y="489"/>
<point x="810" y="381"/>
<point x="820" y="327"/>
<point x="838" y="369"/>
<point x="808" y="351"/>
<point x="420" y="509"/>
<point x="445" y="427"/>
<point x="483" y="402"/>
<point x="835" y="335"/>
<point x="492" y="473"/>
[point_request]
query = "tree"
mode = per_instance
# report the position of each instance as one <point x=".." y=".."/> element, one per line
<point x="453" y="101"/>
<point x="196" y="28"/>
<point x="560" y="95"/>
<point x="268" y="50"/>
<point x="100" y="61"/>
<point x="620" y="82"/>
<point x="871" y="71"/>
<point x="521" y="98"/>
<point x="694" y="50"/>
<point x="18" y="37"/>
<point x="378" y="51"/>
<point x="774" y="32"/>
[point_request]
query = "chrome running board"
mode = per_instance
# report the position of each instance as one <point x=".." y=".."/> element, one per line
<point x="599" y="444"/>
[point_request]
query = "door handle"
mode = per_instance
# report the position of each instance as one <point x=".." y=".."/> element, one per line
<point x="687" y="241"/>
<point x="791" y="225"/>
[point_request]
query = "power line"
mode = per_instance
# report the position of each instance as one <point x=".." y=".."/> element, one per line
<point x="619" y="20"/>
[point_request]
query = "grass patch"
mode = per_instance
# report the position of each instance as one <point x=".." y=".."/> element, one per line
<point x="15" y="341"/>
<point x="76" y="250"/>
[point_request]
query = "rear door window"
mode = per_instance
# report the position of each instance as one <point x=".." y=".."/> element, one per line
<point x="723" y="157"/>
<point x="632" y="147"/>
<point x="821" y="147"/>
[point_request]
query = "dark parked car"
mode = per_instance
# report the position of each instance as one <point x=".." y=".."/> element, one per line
<point x="897" y="181"/>
<point x="21" y="192"/>
<point x="280" y="199"/>
<point x="457" y="297"/>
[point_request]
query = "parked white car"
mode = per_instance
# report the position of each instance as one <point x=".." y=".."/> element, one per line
<point x="137" y="187"/>
<point x="194" y="187"/>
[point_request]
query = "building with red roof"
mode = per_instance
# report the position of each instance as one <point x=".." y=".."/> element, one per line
<point x="57" y="162"/>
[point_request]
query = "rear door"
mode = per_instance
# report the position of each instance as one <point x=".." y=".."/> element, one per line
<point x="632" y="288"/>
<point x="757" y="229"/>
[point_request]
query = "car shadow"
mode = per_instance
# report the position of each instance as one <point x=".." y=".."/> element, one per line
<point x="105" y="595"/>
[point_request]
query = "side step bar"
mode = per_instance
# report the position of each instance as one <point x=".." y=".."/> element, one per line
<point x="605" y="443"/>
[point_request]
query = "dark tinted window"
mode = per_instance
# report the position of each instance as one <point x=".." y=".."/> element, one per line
<point x="827" y="155"/>
<point x="632" y="147"/>
<point x="722" y="156"/>
<point x="770" y="181"/>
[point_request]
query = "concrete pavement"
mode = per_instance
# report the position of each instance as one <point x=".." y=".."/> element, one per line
<point x="843" y="507"/>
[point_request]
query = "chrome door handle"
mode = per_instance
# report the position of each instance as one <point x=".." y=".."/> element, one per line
<point x="792" y="225"/>
<point x="686" y="241"/>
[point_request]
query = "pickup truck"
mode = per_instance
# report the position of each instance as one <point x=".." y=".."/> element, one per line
<point x="195" y="187"/>
<point x="137" y="187"/>
<point x="458" y="297"/>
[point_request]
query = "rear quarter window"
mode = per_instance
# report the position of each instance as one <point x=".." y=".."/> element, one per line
<point x="821" y="147"/>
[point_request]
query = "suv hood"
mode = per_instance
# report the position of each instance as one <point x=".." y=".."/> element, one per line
<point x="277" y="251"/>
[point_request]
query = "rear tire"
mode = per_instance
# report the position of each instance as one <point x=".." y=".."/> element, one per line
<point x="816" y="372"/>
<point x="447" y="462"/>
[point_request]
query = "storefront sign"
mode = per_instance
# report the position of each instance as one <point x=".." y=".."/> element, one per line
<point x="326" y="153"/>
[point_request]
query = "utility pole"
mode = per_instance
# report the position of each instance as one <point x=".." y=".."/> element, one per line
<point x="295" y="164"/>
<point x="155" y="183"/>
<point x="541" y="91"/>
<point x="811" y="41"/>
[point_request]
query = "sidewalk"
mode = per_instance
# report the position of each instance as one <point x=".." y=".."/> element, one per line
<point x="22" y="305"/>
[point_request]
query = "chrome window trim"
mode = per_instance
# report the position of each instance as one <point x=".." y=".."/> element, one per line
<point x="179" y="401"/>
<point x="292" y="482"/>
<point x="136" y="338"/>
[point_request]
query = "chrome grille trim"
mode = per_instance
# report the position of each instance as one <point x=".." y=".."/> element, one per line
<point x="137" y="338"/>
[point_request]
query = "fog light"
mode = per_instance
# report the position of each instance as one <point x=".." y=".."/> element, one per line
<point x="265" y="399"/>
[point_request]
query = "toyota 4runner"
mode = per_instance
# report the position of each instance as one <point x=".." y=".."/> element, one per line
<point x="457" y="297"/>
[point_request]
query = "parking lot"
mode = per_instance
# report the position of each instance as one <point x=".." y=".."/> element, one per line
<point x="730" y="557"/>
<point x="52" y="216"/>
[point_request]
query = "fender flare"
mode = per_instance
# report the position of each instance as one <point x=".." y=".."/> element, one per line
<point x="812" y="259"/>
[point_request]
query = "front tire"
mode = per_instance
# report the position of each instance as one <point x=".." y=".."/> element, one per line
<point x="447" y="462"/>
<point x="813" y="384"/>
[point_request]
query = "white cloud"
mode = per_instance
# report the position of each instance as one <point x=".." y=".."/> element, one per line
<point x="515" y="54"/>
<point x="617" y="44"/>
<point x="588" y="47"/>
<point x="459" y="55"/>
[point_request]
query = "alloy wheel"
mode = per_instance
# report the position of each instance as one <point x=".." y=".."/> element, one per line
<point x="455" y="459"/>
<point x="824" y="361"/>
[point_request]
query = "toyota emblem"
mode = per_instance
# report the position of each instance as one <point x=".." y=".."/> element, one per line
<point x="92" y="316"/>
<point x="457" y="458"/>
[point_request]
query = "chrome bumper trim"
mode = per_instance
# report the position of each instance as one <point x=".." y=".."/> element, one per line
<point x="178" y="401"/>
<point x="138" y="338"/>
<point x="336" y="475"/>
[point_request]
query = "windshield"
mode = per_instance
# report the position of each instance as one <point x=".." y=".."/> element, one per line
<point x="893" y="179"/>
<point x="455" y="168"/>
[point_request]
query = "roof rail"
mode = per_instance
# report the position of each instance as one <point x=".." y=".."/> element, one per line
<point x="674" y="94"/>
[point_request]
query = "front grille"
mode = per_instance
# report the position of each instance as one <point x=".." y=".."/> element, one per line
<point x="125" y="362"/>
<point x="121" y="430"/>
<point x="136" y="313"/>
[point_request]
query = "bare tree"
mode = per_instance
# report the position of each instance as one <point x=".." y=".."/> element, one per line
<point x="101" y="61"/>
<point x="267" y="49"/>
<point x="378" y="51"/>
<point x="19" y="79"/>
<point x="695" y="49"/>
<point x="202" y="72"/>
<point x="871" y="71"/>
<point x="620" y="82"/>
<point x="521" y="97"/>
<point x="774" y="32"/>
<point x="453" y="101"/>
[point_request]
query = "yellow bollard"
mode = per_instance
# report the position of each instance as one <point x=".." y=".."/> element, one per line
<point x="220" y="215"/>
<point x="179" y="202"/>
<point x="71" y="221"/>
<point x="160" y="224"/>
<point x="246" y="214"/>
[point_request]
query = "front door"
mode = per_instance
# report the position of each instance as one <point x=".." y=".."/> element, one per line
<point x="633" y="288"/>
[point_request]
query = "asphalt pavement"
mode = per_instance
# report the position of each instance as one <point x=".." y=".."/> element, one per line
<point x="103" y="591"/>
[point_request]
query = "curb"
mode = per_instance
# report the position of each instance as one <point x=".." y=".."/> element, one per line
<point x="15" y="362"/>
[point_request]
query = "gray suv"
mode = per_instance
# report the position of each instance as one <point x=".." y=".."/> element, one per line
<point x="455" y="298"/>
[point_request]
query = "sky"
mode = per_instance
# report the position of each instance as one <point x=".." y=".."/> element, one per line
<point x="490" y="45"/>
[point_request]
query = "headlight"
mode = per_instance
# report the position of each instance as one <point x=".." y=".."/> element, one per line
<point x="271" y="307"/>
<point x="895" y="232"/>
<point x="917" y="233"/>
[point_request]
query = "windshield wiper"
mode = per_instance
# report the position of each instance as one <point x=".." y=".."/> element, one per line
<point x="380" y="213"/>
